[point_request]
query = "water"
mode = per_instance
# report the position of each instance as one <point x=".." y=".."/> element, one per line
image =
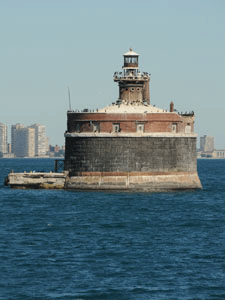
<point x="84" y="245"/>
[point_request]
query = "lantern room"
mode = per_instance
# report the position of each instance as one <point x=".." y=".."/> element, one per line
<point x="130" y="60"/>
<point x="133" y="85"/>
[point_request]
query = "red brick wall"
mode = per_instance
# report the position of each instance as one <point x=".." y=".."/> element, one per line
<point x="155" y="122"/>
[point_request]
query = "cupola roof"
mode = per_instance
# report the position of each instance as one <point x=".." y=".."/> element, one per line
<point x="131" y="53"/>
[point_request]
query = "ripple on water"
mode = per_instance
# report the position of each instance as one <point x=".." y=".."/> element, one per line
<point x="74" y="245"/>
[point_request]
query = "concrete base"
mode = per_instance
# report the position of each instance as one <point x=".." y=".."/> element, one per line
<point x="100" y="181"/>
<point x="39" y="180"/>
<point x="140" y="183"/>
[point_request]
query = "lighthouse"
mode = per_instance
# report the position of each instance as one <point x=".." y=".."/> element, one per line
<point x="130" y="144"/>
<point x="133" y="85"/>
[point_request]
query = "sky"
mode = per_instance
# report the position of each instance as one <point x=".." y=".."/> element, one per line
<point x="48" y="45"/>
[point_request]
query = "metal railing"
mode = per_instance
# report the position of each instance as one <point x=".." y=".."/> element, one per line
<point x="59" y="165"/>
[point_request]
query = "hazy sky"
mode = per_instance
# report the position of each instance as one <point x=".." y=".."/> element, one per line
<point x="47" y="45"/>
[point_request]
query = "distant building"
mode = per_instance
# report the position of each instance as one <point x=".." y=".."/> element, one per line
<point x="51" y="148"/>
<point x="9" y="147"/>
<point x="56" y="149"/>
<point x="47" y="145"/>
<point x="30" y="143"/>
<point x="3" y="139"/>
<point x="24" y="142"/>
<point x="207" y="143"/>
<point x="219" y="154"/>
<point x="14" y="129"/>
<point x="40" y="139"/>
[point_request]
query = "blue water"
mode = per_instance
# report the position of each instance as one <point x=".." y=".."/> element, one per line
<point x="81" y="245"/>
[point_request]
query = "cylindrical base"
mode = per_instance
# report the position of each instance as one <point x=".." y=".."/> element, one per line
<point x="135" y="182"/>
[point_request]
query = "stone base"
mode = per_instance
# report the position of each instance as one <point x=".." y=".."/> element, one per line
<point x="140" y="183"/>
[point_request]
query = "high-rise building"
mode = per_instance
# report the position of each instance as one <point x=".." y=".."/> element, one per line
<point x="207" y="143"/>
<point x="14" y="129"/>
<point x="47" y="145"/>
<point x="24" y="142"/>
<point x="27" y="142"/>
<point x="40" y="139"/>
<point x="3" y="138"/>
<point x="9" y="148"/>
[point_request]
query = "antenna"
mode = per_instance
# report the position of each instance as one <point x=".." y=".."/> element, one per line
<point x="69" y="98"/>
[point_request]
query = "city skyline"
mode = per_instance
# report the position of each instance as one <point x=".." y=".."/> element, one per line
<point x="27" y="141"/>
<point x="12" y="126"/>
<point x="47" y="47"/>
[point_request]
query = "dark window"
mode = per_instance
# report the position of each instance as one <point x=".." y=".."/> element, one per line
<point x="77" y="127"/>
<point x="140" y="128"/>
<point x="96" y="127"/>
<point x="116" y="127"/>
<point x="174" y="128"/>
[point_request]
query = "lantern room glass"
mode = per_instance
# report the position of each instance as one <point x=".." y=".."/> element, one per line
<point x="131" y="60"/>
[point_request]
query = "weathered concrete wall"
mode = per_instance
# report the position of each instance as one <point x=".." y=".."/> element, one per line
<point x="130" y="181"/>
<point x="142" y="183"/>
<point x="37" y="180"/>
<point x="130" y="154"/>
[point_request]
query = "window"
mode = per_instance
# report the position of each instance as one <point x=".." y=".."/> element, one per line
<point x="188" y="128"/>
<point x="134" y="60"/>
<point x="174" y="128"/>
<point x="77" y="127"/>
<point x="131" y="60"/>
<point x="116" y="127"/>
<point x="96" y="127"/>
<point x="140" y="128"/>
